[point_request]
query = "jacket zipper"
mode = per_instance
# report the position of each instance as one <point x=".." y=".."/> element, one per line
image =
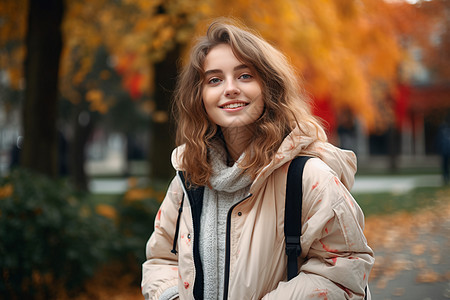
<point x="228" y="248"/>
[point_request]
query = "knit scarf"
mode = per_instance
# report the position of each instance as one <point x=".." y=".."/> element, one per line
<point x="229" y="186"/>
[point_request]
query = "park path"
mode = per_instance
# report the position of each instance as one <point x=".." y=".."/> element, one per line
<point x="363" y="184"/>
<point x="412" y="253"/>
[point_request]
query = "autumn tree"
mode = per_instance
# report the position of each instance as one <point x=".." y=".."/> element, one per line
<point x="346" y="51"/>
<point x="13" y="16"/>
<point x="40" y="108"/>
<point x="433" y="37"/>
<point x="148" y="58"/>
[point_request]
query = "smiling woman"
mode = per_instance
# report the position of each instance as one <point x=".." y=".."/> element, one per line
<point x="242" y="120"/>
<point x="232" y="97"/>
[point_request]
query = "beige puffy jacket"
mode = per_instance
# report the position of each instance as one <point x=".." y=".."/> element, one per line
<point x="335" y="261"/>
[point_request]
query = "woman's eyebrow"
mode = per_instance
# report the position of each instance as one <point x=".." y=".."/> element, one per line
<point x="240" y="67"/>
<point x="216" y="71"/>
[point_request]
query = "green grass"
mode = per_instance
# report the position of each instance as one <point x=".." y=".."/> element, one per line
<point x="111" y="199"/>
<point x="399" y="172"/>
<point x="388" y="203"/>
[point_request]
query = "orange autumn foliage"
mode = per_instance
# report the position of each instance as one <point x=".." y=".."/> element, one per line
<point x="350" y="53"/>
<point x="13" y="26"/>
<point x="340" y="48"/>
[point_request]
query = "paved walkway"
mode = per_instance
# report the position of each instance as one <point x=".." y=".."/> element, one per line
<point x="363" y="184"/>
<point x="411" y="253"/>
<point x="394" y="183"/>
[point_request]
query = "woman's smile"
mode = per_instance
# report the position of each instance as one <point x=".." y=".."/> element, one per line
<point x="233" y="106"/>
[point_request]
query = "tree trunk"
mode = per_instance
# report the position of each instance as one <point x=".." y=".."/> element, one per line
<point x="44" y="44"/>
<point x="393" y="149"/>
<point x="83" y="125"/>
<point x="162" y="140"/>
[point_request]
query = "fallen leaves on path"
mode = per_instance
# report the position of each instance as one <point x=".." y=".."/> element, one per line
<point x="407" y="241"/>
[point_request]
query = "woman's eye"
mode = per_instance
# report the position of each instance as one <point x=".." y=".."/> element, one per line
<point x="214" y="81"/>
<point x="246" y="76"/>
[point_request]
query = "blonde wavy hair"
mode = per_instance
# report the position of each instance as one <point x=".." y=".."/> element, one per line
<point x="286" y="104"/>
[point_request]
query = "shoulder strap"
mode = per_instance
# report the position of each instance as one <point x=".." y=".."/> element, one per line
<point x="293" y="213"/>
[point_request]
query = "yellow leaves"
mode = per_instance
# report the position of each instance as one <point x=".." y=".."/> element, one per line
<point x="15" y="77"/>
<point x="12" y="39"/>
<point x="97" y="102"/>
<point x="428" y="275"/>
<point x="409" y="242"/>
<point x="341" y="46"/>
<point x="141" y="25"/>
<point x="6" y="191"/>
<point x="13" y="20"/>
<point x="136" y="193"/>
<point x="164" y="36"/>
<point x="418" y="249"/>
<point x="146" y="5"/>
<point x="205" y="9"/>
<point x="160" y="116"/>
<point x="107" y="211"/>
<point x="110" y="282"/>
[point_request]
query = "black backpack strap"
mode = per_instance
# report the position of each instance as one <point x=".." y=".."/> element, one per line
<point x="293" y="214"/>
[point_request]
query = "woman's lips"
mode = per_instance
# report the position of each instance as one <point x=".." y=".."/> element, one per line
<point x="233" y="105"/>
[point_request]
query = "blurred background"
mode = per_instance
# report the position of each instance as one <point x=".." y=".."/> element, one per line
<point x="86" y="131"/>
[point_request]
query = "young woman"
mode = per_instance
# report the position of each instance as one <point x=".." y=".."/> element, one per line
<point x="219" y="232"/>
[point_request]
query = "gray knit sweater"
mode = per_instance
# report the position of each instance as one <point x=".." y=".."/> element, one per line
<point x="229" y="186"/>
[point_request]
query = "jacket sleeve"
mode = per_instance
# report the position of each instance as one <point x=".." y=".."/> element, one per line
<point x="336" y="260"/>
<point x="160" y="270"/>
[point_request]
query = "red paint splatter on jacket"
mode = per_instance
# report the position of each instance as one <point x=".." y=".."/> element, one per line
<point x="321" y="293"/>
<point x="346" y="290"/>
<point x="186" y="285"/>
<point x="334" y="259"/>
<point x="349" y="200"/>
<point x="314" y="186"/>
<point x="326" y="248"/>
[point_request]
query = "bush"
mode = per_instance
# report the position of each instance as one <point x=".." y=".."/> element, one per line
<point x="51" y="240"/>
<point x="136" y="216"/>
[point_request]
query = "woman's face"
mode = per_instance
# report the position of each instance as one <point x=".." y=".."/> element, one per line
<point x="232" y="94"/>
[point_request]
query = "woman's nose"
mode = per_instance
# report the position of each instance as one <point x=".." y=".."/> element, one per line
<point x="231" y="89"/>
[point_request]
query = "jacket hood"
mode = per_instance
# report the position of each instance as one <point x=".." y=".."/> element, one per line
<point x="342" y="162"/>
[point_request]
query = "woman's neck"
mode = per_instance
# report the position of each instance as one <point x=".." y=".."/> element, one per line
<point x="237" y="140"/>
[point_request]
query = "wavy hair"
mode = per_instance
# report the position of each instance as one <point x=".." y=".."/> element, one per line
<point x="286" y="104"/>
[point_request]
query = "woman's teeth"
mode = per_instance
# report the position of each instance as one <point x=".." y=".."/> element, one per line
<point x="234" y="105"/>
